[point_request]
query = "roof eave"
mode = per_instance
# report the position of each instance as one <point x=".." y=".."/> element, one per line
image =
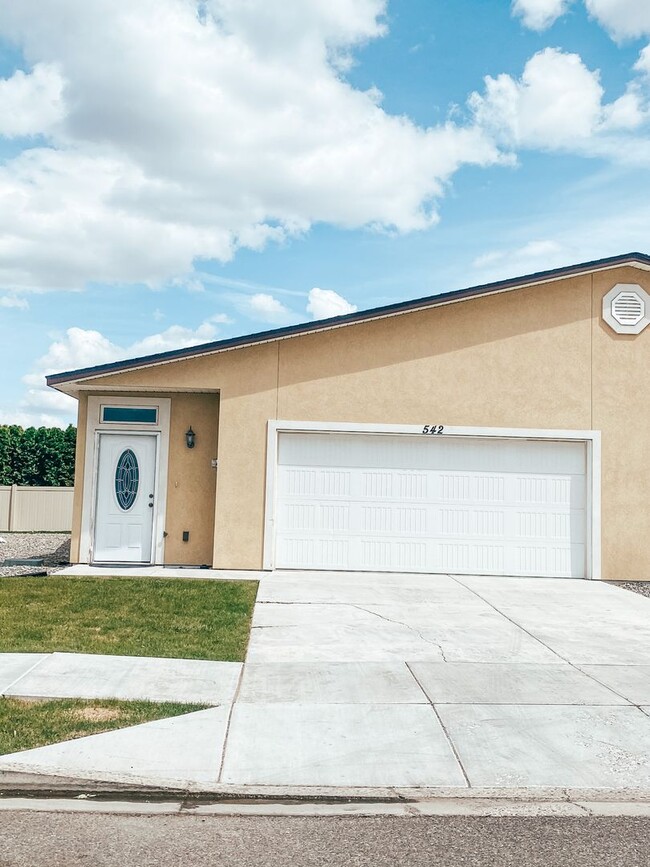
<point x="68" y="382"/>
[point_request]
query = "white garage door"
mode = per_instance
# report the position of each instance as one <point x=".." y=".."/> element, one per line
<point x="460" y="505"/>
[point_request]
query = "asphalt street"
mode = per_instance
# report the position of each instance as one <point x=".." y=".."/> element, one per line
<point x="68" y="840"/>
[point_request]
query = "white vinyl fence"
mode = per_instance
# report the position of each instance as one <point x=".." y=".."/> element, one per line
<point x="24" y="510"/>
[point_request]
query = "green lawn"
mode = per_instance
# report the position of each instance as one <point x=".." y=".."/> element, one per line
<point x="126" y="616"/>
<point x="25" y="725"/>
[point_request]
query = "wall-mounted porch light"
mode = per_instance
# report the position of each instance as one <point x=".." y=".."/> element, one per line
<point x="190" y="438"/>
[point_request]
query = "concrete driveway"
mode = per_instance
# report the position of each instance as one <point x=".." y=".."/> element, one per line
<point x="440" y="680"/>
<point x="408" y="681"/>
<point x="344" y="617"/>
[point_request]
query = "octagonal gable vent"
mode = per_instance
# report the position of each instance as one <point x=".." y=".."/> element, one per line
<point x="626" y="308"/>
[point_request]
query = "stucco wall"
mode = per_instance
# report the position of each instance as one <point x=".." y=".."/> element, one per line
<point x="191" y="479"/>
<point x="537" y="357"/>
<point x="621" y="410"/>
<point x="80" y="456"/>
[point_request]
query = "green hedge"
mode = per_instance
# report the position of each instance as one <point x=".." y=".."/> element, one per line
<point x="37" y="456"/>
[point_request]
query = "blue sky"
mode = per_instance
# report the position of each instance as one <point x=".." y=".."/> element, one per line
<point x="184" y="170"/>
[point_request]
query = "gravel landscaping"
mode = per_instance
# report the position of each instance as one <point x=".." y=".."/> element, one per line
<point x="642" y="587"/>
<point x="53" y="547"/>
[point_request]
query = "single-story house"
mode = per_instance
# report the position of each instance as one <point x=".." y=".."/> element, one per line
<point x="501" y="429"/>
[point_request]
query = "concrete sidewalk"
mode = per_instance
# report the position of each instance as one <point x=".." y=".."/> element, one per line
<point x="130" y="678"/>
<point x="375" y="683"/>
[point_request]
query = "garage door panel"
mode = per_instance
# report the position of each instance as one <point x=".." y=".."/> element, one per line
<point x="436" y="519"/>
<point x="471" y="556"/>
<point x="379" y="486"/>
<point x="465" y="454"/>
<point x="449" y="521"/>
<point x="559" y="561"/>
<point x="316" y="552"/>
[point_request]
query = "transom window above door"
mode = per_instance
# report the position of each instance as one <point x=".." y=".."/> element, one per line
<point x="129" y="414"/>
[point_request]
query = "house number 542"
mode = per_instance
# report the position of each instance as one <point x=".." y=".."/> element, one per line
<point x="434" y="429"/>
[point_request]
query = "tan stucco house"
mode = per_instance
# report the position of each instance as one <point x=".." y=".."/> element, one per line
<point x="501" y="429"/>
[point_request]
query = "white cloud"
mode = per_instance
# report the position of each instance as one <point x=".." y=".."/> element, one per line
<point x="558" y="104"/>
<point x="190" y="283"/>
<point x="643" y="63"/>
<point x="628" y="112"/>
<point x="622" y="18"/>
<point x="174" y="337"/>
<point x="324" y="303"/>
<point x="268" y="308"/>
<point x="577" y="229"/>
<point x="583" y="100"/>
<point x="81" y="347"/>
<point x="540" y="14"/>
<point x="316" y="25"/>
<point x="186" y="129"/>
<point x="14" y="301"/>
<point x="531" y="256"/>
<point x="42" y="399"/>
<point x="31" y="103"/>
<point x="36" y="419"/>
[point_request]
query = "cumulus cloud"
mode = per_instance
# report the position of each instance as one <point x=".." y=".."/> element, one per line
<point x="622" y="18"/>
<point x="266" y="307"/>
<point x="31" y="103"/>
<point x="643" y="63"/>
<point x="558" y="104"/>
<point x="324" y="303"/>
<point x="186" y="129"/>
<point x="540" y="14"/>
<point x="628" y="112"/>
<point x="556" y="101"/>
<point x="35" y="419"/>
<point x="80" y="347"/>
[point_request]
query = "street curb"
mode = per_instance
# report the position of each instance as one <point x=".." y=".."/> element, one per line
<point x="230" y="799"/>
<point x="283" y="808"/>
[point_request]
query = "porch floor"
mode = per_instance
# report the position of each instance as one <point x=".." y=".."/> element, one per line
<point x="136" y="571"/>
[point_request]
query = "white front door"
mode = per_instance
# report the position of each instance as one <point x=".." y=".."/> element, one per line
<point x="126" y="499"/>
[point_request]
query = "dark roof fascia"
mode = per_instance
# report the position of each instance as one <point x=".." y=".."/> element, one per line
<point x="348" y="319"/>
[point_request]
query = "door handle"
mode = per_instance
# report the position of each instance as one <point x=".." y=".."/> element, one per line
<point x="151" y="505"/>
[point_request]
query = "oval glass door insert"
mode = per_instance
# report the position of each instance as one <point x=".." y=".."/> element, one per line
<point x="127" y="476"/>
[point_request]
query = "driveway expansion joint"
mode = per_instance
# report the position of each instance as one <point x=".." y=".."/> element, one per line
<point x="452" y="746"/>
<point x="6" y="692"/>
<point x="229" y="721"/>
<point x="510" y="620"/>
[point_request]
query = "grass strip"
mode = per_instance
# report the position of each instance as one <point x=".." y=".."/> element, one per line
<point x="28" y="724"/>
<point x="189" y="619"/>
